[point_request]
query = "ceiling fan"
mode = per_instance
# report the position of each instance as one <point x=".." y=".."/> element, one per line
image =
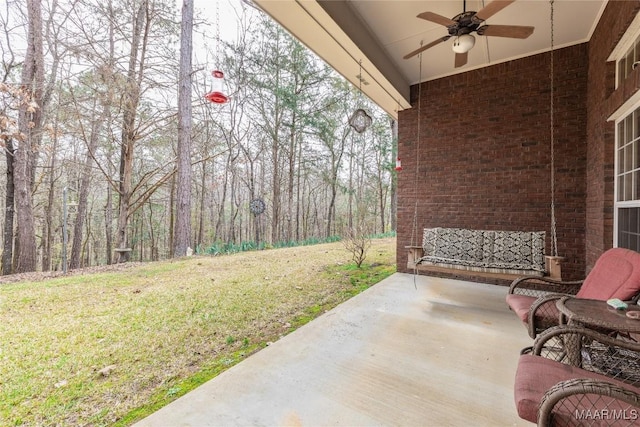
<point x="462" y="25"/>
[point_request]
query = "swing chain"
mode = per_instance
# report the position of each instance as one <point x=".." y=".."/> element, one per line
<point x="554" y="238"/>
<point x="414" y="228"/>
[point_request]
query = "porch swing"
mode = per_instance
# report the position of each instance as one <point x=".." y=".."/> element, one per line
<point x="489" y="255"/>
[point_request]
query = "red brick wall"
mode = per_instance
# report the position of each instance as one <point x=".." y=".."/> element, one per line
<point x="602" y="101"/>
<point x="484" y="147"/>
<point x="483" y="154"/>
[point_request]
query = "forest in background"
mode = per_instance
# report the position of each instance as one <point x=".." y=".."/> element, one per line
<point x="89" y="120"/>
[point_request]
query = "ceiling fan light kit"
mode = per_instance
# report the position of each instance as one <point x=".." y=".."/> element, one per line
<point x="463" y="43"/>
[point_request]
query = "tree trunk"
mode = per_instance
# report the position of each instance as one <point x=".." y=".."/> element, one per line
<point x="132" y="98"/>
<point x="182" y="239"/>
<point x="153" y="245"/>
<point x="351" y="189"/>
<point x="299" y="193"/>
<point x="394" y="177"/>
<point x="7" y="250"/>
<point x="47" y="231"/>
<point x="275" y="202"/>
<point x="172" y="215"/>
<point x="126" y="169"/>
<point x="290" y="176"/>
<point x="201" y="203"/>
<point x="223" y="200"/>
<point x="30" y="125"/>
<point x="108" y="225"/>
<point x="381" y="199"/>
<point x="85" y="180"/>
<point x="81" y="213"/>
<point x="83" y="193"/>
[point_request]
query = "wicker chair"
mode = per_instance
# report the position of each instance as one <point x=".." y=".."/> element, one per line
<point x="616" y="274"/>
<point x="600" y="387"/>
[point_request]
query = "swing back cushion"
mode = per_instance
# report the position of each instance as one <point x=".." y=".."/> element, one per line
<point x="510" y="252"/>
<point x="616" y="274"/>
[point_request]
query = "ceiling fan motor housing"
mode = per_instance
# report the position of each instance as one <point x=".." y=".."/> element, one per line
<point x="465" y="24"/>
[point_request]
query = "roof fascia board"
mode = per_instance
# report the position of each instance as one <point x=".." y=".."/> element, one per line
<point x="349" y="22"/>
<point x="314" y="27"/>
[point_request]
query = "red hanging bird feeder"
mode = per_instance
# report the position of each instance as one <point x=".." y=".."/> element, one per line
<point x="217" y="95"/>
<point x="398" y="164"/>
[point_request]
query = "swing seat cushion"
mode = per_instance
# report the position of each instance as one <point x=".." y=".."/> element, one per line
<point x="508" y="252"/>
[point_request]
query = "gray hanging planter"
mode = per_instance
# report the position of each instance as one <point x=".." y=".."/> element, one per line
<point x="360" y="120"/>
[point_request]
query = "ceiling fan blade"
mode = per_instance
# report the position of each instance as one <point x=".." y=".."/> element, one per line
<point x="461" y="59"/>
<point x="492" y="8"/>
<point x="438" y="19"/>
<point x="512" y="31"/>
<point x="426" y="46"/>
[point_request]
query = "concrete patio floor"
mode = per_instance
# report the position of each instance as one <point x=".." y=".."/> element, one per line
<point x="410" y="351"/>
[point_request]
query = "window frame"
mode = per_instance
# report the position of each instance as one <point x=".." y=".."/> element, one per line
<point x="630" y="199"/>
<point x="628" y="43"/>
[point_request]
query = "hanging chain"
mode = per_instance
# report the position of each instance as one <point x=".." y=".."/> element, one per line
<point x="360" y="85"/>
<point x="414" y="228"/>
<point x="554" y="238"/>
<point x="217" y="34"/>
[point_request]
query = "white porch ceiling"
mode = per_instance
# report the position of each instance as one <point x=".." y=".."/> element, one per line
<point x="380" y="32"/>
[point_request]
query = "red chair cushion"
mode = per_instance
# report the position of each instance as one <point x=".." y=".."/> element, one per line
<point x="535" y="375"/>
<point x="520" y="305"/>
<point x="615" y="275"/>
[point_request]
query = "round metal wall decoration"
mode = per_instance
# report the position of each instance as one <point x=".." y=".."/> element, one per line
<point x="257" y="206"/>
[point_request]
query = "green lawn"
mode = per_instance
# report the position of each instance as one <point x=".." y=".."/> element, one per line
<point x="109" y="348"/>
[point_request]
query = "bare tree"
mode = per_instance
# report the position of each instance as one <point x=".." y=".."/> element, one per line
<point x="182" y="230"/>
<point x="30" y="125"/>
<point x="357" y="242"/>
<point x="11" y="97"/>
<point x="380" y="175"/>
<point x="139" y="38"/>
<point x="7" y="249"/>
<point x="333" y="133"/>
<point x="102" y="95"/>
<point x="48" y="227"/>
<point x="393" y="193"/>
<point x="283" y="137"/>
